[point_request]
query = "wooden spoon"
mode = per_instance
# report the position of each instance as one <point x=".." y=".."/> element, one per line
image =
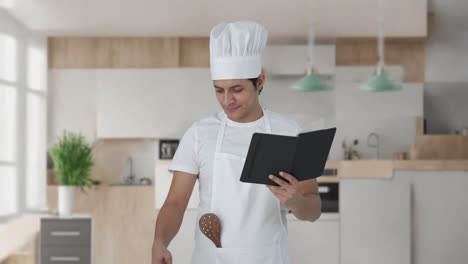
<point x="210" y="226"/>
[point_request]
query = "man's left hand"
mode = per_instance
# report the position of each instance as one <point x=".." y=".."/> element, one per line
<point x="289" y="194"/>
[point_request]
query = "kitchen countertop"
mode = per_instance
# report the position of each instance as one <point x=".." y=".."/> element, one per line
<point x="386" y="168"/>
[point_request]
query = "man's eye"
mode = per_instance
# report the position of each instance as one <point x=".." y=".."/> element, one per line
<point x="219" y="91"/>
<point x="238" y="90"/>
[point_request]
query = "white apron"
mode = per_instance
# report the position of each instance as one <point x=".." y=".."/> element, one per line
<point x="252" y="230"/>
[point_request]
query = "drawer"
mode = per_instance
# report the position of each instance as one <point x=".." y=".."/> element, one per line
<point x="65" y="255"/>
<point x="61" y="232"/>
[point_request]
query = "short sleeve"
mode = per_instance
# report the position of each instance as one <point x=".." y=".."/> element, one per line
<point x="186" y="156"/>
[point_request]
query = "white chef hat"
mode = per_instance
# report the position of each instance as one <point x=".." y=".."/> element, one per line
<point x="235" y="50"/>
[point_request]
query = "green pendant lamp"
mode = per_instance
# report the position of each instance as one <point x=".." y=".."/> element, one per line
<point x="380" y="82"/>
<point x="311" y="83"/>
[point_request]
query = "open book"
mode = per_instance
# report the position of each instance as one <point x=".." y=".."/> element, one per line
<point x="303" y="156"/>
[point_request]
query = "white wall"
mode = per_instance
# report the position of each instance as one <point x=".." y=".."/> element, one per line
<point x="446" y="52"/>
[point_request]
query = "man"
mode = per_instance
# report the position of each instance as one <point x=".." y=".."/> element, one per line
<point x="213" y="150"/>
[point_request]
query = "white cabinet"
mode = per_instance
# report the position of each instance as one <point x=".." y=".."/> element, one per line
<point x="71" y="102"/>
<point x="314" y="243"/>
<point x="155" y="103"/>
<point x="375" y="221"/>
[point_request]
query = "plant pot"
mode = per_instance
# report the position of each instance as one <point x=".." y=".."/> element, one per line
<point x="66" y="200"/>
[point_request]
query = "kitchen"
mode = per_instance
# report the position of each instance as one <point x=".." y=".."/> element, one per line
<point x="393" y="188"/>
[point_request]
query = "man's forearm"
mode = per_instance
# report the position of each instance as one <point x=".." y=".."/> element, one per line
<point x="168" y="223"/>
<point x="309" y="208"/>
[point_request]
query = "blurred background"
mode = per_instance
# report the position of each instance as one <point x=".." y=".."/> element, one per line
<point x="132" y="76"/>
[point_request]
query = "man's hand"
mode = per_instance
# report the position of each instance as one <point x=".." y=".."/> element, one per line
<point x="289" y="194"/>
<point x="160" y="254"/>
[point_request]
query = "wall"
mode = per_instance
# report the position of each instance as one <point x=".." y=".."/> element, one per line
<point x="446" y="63"/>
<point x="445" y="107"/>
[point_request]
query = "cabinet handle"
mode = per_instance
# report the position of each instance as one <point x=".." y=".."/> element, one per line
<point x="65" y="233"/>
<point x="64" y="258"/>
<point x="324" y="189"/>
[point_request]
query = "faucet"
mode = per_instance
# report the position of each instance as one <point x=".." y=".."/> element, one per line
<point x="130" y="179"/>
<point x="375" y="145"/>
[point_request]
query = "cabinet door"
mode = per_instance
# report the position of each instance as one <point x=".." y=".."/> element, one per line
<point x="156" y="103"/>
<point x="375" y="221"/>
<point x="316" y="242"/>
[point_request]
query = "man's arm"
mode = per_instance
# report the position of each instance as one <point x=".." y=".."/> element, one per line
<point x="302" y="198"/>
<point x="171" y="214"/>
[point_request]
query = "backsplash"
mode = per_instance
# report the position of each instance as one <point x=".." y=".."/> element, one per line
<point x="111" y="159"/>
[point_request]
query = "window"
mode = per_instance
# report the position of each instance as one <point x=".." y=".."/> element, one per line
<point x="8" y="126"/>
<point x="23" y="93"/>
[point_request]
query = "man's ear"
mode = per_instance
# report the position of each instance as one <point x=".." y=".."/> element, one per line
<point x="260" y="82"/>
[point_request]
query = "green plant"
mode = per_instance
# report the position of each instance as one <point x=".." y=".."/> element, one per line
<point x="73" y="160"/>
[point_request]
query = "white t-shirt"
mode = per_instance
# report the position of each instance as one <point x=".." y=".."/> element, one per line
<point x="195" y="153"/>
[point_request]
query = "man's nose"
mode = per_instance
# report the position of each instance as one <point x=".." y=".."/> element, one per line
<point x="228" y="98"/>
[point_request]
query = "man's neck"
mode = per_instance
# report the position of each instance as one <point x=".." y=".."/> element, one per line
<point x="254" y="115"/>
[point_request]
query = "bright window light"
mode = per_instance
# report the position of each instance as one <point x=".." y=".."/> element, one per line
<point x="8" y="51"/>
<point x="37" y="68"/>
<point x="8" y="119"/>
<point x="7" y="4"/>
<point x="8" y="204"/>
<point x="35" y="151"/>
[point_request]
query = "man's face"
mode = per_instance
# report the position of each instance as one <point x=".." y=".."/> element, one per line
<point x="237" y="97"/>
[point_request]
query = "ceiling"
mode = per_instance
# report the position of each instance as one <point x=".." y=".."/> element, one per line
<point x="352" y="18"/>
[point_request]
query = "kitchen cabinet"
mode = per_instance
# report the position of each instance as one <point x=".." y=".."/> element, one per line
<point x="72" y="103"/>
<point x="152" y="103"/>
<point x="65" y="240"/>
<point x="375" y="222"/>
<point x="316" y="242"/>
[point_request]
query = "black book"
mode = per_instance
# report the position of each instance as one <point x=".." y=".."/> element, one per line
<point x="303" y="156"/>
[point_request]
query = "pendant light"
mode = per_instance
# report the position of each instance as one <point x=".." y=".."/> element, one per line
<point x="311" y="82"/>
<point x="380" y="82"/>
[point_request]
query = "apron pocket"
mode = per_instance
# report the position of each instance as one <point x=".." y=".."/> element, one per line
<point x="254" y="255"/>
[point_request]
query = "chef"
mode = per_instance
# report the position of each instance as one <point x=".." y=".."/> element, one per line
<point x="213" y="151"/>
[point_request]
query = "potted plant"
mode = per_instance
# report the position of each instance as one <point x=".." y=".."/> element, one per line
<point x="73" y="160"/>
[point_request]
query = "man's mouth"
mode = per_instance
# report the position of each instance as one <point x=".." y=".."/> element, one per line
<point x="232" y="109"/>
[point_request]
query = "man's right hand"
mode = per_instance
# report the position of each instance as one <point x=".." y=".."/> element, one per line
<point x="160" y="254"/>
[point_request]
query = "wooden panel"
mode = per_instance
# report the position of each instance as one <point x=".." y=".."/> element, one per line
<point x="431" y="165"/>
<point x="123" y="221"/>
<point x="72" y="52"/>
<point x="441" y="147"/>
<point x="366" y="169"/>
<point x="115" y="52"/>
<point x="410" y="53"/>
<point x="194" y="52"/>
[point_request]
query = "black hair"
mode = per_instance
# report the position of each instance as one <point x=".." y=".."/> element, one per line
<point x="254" y="82"/>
